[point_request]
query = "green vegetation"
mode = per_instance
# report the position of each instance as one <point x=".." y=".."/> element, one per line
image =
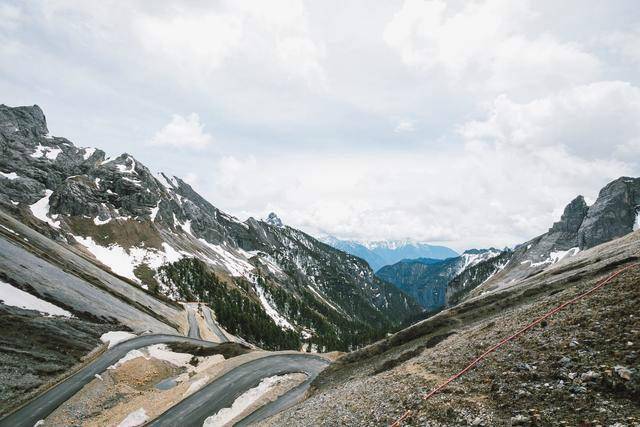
<point x="239" y="311"/>
<point x="236" y="311"/>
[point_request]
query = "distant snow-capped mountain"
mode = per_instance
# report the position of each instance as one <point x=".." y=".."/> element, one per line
<point x="387" y="252"/>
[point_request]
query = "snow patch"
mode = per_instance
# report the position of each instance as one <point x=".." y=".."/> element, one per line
<point x="556" y="256"/>
<point x="165" y="183"/>
<point x="245" y="400"/>
<point x="162" y="352"/>
<point x="470" y="259"/>
<point x="50" y="153"/>
<point x="271" y="311"/>
<point x="235" y="265"/>
<point x="10" y="175"/>
<point x="115" y="337"/>
<point x="9" y="230"/>
<point x="133" y="181"/>
<point x="134" y="419"/>
<point x="133" y="354"/>
<point x="98" y="221"/>
<point x="127" y="169"/>
<point x="195" y="386"/>
<point x="10" y="295"/>
<point x="40" y="210"/>
<point x="88" y="152"/>
<point x="316" y="293"/>
<point x="154" y="212"/>
<point x="124" y="263"/>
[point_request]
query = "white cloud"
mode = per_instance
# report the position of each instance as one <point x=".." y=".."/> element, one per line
<point x="505" y="109"/>
<point x="405" y="126"/>
<point x="194" y="42"/>
<point x="484" y="46"/>
<point x="470" y="196"/>
<point x="593" y="121"/>
<point x="10" y="17"/>
<point x="507" y="181"/>
<point x="183" y="132"/>
<point x="626" y="44"/>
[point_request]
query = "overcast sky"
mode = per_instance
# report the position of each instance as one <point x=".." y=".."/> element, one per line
<point x="467" y="123"/>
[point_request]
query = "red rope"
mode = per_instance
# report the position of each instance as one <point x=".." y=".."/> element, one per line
<point x="514" y="336"/>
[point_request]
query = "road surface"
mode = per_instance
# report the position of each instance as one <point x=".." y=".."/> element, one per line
<point x="43" y="405"/>
<point x="222" y="392"/>
<point x="194" y="329"/>
<point x="283" y="402"/>
<point x="213" y="326"/>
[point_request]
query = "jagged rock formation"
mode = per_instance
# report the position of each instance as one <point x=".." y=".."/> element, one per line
<point x="427" y="279"/>
<point x="614" y="213"/>
<point x="118" y="214"/>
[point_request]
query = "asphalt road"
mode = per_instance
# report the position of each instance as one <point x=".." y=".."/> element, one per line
<point x="213" y="325"/>
<point x="283" y="402"/>
<point x="46" y="403"/>
<point x="222" y="392"/>
<point x="194" y="330"/>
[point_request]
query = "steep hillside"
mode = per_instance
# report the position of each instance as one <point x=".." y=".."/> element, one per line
<point x="473" y="276"/>
<point x="117" y="214"/>
<point x="427" y="280"/>
<point x="381" y="253"/>
<point x="580" y="367"/>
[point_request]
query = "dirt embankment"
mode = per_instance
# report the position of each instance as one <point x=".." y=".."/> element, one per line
<point x="37" y="350"/>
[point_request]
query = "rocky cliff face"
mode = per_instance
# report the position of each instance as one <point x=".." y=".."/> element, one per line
<point x="614" y="213"/>
<point x="115" y="212"/>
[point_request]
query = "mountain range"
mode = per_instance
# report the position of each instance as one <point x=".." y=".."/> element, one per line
<point x="275" y="286"/>
<point x="386" y="252"/>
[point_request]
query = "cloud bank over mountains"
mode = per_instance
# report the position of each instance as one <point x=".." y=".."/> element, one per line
<point x="467" y="123"/>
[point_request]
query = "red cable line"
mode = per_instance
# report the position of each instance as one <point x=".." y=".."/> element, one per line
<point x="514" y="336"/>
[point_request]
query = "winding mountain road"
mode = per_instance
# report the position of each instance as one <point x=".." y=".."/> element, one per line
<point x="192" y="411"/>
<point x="194" y="329"/>
<point x="213" y="326"/>
<point x="222" y="392"/>
<point x="43" y="405"/>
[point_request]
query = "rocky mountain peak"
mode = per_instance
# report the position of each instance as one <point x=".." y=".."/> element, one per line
<point x="273" y="219"/>
<point x="25" y="120"/>
<point x="613" y="214"/>
<point x="572" y="217"/>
